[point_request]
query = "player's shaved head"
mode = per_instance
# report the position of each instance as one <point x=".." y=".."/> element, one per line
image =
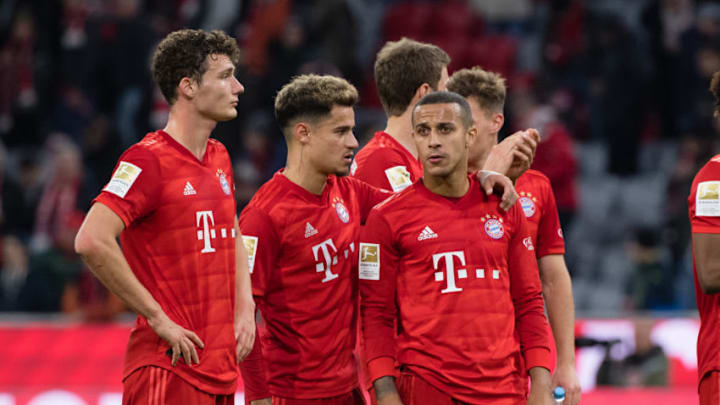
<point x="447" y="97"/>
<point x="184" y="53"/>
<point x="312" y="97"/>
<point x="488" y="88"/>
<point x="401" y="67"/>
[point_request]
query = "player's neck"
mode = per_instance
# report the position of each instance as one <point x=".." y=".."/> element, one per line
<point x="479" y="163"/>
<point x="305" y="176"/>
<point x="400" y="128"/>
<point x="454" y="185"/>
<point x="189" y="130"/>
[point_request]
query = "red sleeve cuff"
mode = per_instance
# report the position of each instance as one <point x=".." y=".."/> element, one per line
<point x="551" y="251"/>
<point x="108" y="202"/>
<point x="705" y="229"/>
<point x="537" y="357"/>
<point x="381" y="367"/>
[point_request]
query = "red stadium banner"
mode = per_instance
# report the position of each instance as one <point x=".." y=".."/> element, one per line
<point x="81" y="364"/>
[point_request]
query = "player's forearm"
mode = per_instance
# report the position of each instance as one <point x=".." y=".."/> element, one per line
<point x="557" y="290"/>
<point x="540" y="382"/>
<point x="385" y="388"/>
<point x="107" y="262"/>
<point x="243" y="290"/>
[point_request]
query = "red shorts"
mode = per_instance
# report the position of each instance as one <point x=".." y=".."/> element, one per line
<point x="152" y="385"/>
<point x="709" y="389"/>
<point x="353" y="397"/>
<point x="415" y="391"/>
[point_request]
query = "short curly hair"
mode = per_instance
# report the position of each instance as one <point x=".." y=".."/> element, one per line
<point x="184" y="53"/>
<point x="403" y="66"/>
<point x="312" y="97"/>
<point x="487" y="87"/>
<point x="715" y="90"/>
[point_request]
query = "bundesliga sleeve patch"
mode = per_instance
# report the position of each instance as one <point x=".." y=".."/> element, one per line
<point x="528" y="243"/>
<point x="250" y="243"/>
<point x="399" y="178"/>
<point x="369" y="261"/>
<point x="707" y="199"/>
<point x="123" y="179"/>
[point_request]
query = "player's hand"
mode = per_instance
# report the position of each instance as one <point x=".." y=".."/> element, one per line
<point x="540" y="387"/>
<point x="514" y="155"/>
<point x="390" y="399"/>
<point x="566" y="377"/>
<point x="264" y="401"/>
<point x="244" y="327"/>
<point x="492" y="182"/>
<point x="182" y="341"/>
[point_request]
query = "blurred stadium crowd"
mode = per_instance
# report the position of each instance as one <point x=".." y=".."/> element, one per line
<point x="617" y="89"/>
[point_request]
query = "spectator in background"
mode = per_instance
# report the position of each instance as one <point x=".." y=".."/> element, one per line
<point x="54" y="273"/>
<point x="19" y="121"/>
<point x="555" y="158"/>
<point x="650" y="286"/>
<point x="66" y="189"/>
<point x="13" y="273"/>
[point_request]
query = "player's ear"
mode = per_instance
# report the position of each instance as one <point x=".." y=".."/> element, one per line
<point x="422" y="91"/>
<point x="498" y="120"/>
<point x="187" y="87"/>
<point x="471" y="136"/>
<point x="301" y="132"/>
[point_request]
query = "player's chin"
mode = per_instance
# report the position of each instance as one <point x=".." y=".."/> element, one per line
<point x="227" y="115"/>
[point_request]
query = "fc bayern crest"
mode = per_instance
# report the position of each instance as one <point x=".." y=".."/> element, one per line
<point x="494" y="228"/>
<point x="223" y="182"/>
<point x="341" y="211"/>
<point x="528" y="206"/>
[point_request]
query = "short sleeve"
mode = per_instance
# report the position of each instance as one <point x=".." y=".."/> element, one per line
<point x="704" y="200"/>
<point x="132" y="191"/>
<point x="550" y="236"/>
<point x="384" y="169"/>
<point x="369" y="196"/>
<point x="262" y="244"/>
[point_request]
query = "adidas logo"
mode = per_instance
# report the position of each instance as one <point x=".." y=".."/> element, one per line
<point x="427" y="233"/>
<point x="309" y="230"/>
<point x="189" y="190"/>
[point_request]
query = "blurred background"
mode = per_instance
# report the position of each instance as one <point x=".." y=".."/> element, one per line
<point x="617" y="88"/>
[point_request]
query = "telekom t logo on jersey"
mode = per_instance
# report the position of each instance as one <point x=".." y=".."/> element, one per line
<point x="449" y="274"/>
<point x="206" y="232"/>
<point x="326" y="257"/>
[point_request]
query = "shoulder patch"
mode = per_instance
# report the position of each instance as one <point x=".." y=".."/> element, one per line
<point x="399" y="177"/>
<point x="369" y="261"/>
<point x="707" y="199"/>
<point x="250" y="243"/>
<point x="123" y="178"/>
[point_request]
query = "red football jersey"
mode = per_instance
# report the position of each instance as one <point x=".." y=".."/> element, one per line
<point x="704" y="212"/>
<point x="386" y="164"/>
<point x="301" y="248"/>
<point x="461" y="277"/>
<point x="538" y="204"/>
<point x="179" y="216"/>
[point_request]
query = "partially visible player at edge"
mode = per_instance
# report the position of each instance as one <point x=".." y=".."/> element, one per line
<point x="182" y="266"/>
<point x="485" y="93"/>
<point x="405" y="71"/>
<point x="459" y="278"/>
<point x="301" y="230"/>
<point x="704" y="213"/>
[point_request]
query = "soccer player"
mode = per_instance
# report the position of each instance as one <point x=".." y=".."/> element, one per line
<point x="459" y="276"/>
<point x="182" y="266"/>
<point x="704" y="212"/>
<point x="485" y="93"/>
<point x="301" y="230"/>
<point x="405" y="71"/>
